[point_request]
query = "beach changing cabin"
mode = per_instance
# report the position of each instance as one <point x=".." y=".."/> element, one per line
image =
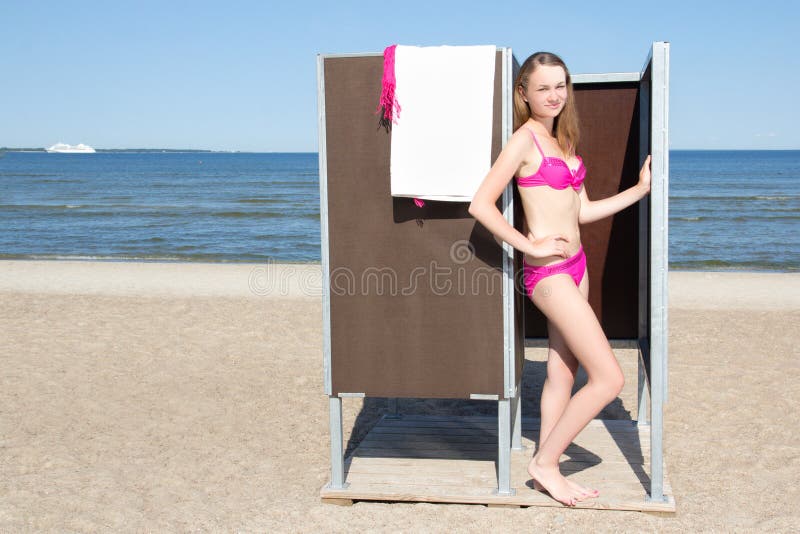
<point x="421" y="301"/>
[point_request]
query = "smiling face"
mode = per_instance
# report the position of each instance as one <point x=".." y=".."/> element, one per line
<point x="546" y="92"/>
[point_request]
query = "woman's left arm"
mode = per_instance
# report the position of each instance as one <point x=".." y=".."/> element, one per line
<point x="600" y="209"/>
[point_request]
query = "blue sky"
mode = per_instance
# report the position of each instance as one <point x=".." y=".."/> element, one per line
<point x="241" y="75"/>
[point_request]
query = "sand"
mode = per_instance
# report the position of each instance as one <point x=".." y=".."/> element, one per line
<point x="188" y="397"/>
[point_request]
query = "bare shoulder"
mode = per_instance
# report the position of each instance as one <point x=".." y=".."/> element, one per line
<point x="520" y="141"/>
<point x="523" y="132"/>
<point x="520" y="147"/>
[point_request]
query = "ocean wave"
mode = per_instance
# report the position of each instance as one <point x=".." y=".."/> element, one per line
<point x="29" y="175"/>
<point x="134" y="213"/>
<point x="89" y="257"/>
<point x="40" y="206"/>
<point x="713" y="264"/>
<point x="154" y="239"/>
<point x="187" y="258"/>
<point x="741" y="198"/>
<point x="261" y="215"/>
<point x="248" y="215"/>
<point x="755" y="217"/>
<point x="259" y="201"/>
<point x="130" y="207"/>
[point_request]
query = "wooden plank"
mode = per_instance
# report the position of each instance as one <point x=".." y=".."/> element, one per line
<point x="632" y="500"/>
<point x="430" y="437"/>
<point x="610" y="481"/>
<point x="420" y="463"/>
<point x="428" y="445"/>
<point x="619" y="492"/>
<point x="433" y="431"/>
<point x="443" y="454"/>
<point x="597" y="474"/>
<point x="599" y="443"/>
<point x="489" y="451"/>
<point x="454" y="435"/>
<point x="490" y="422"/>
<point x="451" y="480"/>
<point x="338" y="502"/>
<point x="407" y="462"/>
<point x="623" y="432"/>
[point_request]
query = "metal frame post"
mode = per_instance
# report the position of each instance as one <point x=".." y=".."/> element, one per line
<point x="509" y="381"/>
<point x="323" y="225"/>
<point x="659" y="263"/>
<point x="504" y="449"/>
<point x="337" y="454"/>
<point x="334" y="402"/>
<point x="504" y="412"/>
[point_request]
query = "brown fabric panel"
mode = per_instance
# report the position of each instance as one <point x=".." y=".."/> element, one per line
<point x="609" y="146"/>
<point x="445" y="342"/>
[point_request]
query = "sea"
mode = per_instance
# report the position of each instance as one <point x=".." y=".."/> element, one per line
<point x="728" y="210"/>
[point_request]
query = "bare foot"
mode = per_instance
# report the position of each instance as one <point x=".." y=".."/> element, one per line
<point x="585" y="493"/>
<point x="552" y="481"/>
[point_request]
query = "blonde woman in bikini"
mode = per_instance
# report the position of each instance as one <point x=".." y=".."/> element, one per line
<point x="541" y="155"/>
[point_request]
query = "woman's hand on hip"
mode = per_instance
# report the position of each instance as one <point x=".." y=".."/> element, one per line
<point x="551" y="245"/>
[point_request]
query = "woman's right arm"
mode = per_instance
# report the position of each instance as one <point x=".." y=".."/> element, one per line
<point x="483" y="206"/>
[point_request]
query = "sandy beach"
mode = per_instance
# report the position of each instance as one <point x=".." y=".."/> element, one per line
<point x="188" y="397"/>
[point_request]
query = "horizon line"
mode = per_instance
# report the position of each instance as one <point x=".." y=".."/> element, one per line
<point x="227" y="151"/>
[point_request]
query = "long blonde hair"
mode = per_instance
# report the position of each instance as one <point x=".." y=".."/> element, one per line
<point x="566" y="126"/>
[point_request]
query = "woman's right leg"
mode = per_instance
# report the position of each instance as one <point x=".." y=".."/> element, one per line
<point x="557" y="389"/>
<point x="562" y="366"/>
<point x="563" y="304"/>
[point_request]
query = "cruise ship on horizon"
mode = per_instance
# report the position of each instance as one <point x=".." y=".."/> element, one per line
<point x="62" y="148"/>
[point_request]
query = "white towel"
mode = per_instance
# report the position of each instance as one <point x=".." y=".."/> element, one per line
<point x="442" y="141"/>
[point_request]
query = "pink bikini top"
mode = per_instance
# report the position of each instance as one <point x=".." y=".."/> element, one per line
<point x="554" y="172"/>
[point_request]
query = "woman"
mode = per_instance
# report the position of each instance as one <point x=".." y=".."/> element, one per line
<point x="541" y="154"/>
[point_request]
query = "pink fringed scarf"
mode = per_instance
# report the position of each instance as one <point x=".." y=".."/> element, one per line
<point x="391" y="107"/>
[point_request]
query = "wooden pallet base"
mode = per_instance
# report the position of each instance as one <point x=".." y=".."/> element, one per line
<point x="453" y="460"/>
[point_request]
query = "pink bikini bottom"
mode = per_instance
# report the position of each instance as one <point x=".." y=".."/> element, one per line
<point x="573" y="266"/>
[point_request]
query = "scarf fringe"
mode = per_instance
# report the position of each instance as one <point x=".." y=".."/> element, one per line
<point x="388" y="101"/>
